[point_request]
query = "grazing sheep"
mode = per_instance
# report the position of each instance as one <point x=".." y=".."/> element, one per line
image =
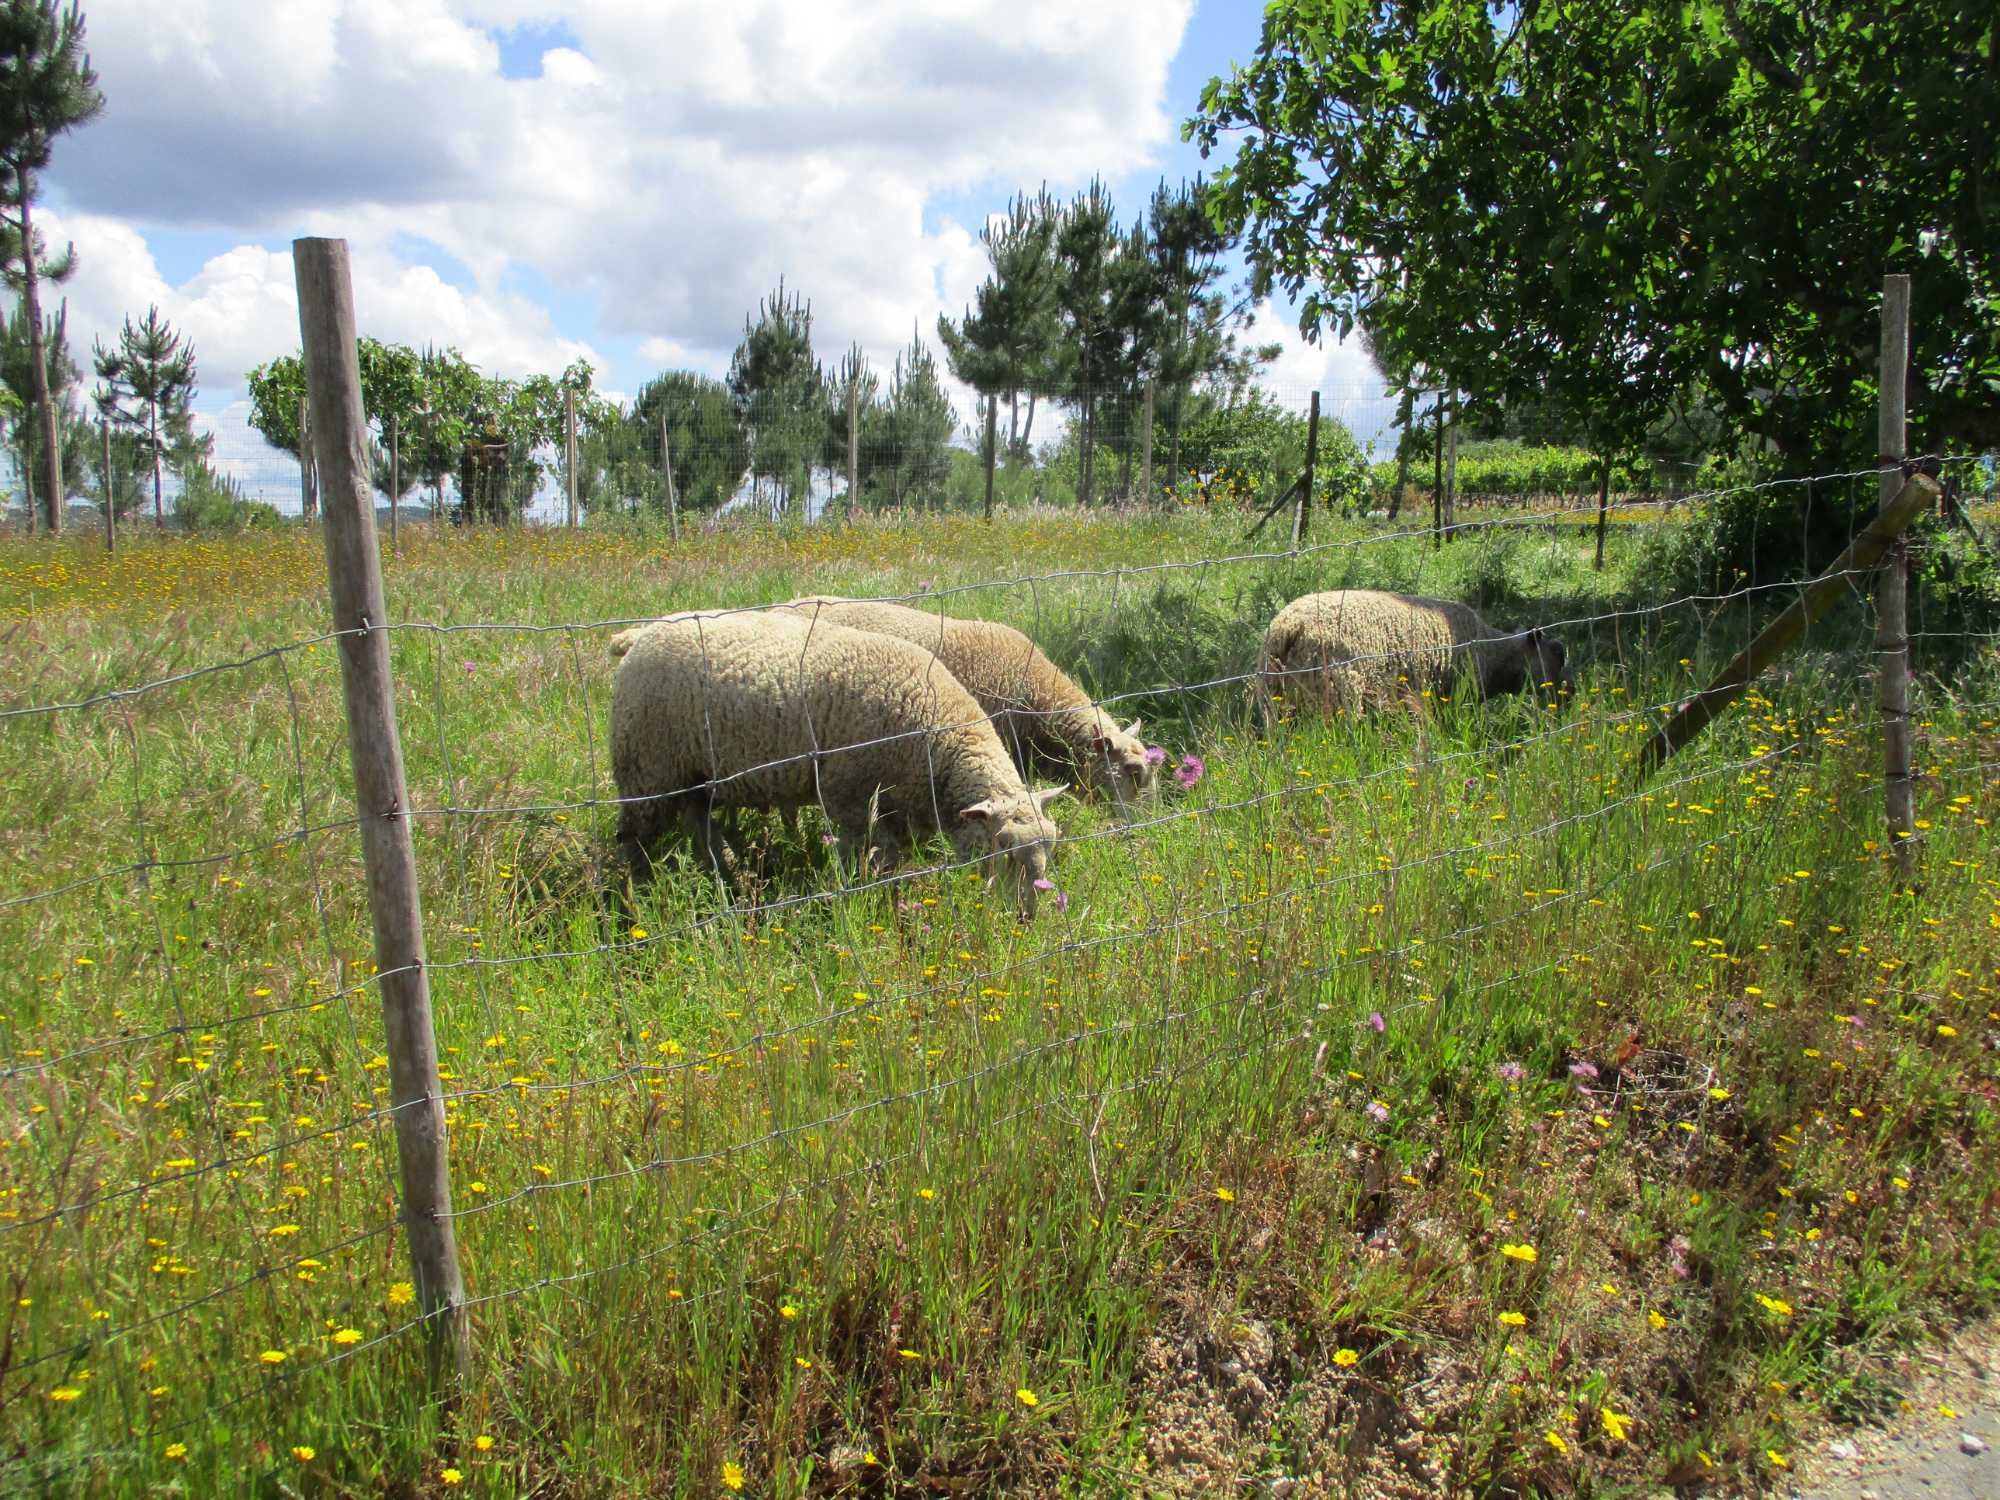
<point x="1039" y="711"/>
<point x="1357" y="648"/>
<point x="770" y="710"/>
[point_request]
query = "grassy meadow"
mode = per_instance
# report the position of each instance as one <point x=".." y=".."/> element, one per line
<point x="1399" y="1107"/>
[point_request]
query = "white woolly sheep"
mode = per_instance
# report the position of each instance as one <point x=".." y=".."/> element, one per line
<point x="1359" y="648"/>
<point x="769" y="710"/>
<point x="1039" y="711"/>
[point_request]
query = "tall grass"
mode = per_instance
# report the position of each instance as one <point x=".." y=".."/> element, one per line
<point x="1414" y="1102"/>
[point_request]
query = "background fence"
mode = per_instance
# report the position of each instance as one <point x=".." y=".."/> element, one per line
<point x="681" y="1100"/>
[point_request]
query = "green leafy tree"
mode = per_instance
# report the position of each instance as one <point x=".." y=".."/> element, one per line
<point x="146" y="387"/>
<point x="706" y="436"/>
<point x="47" y="87"/>
<point x="778" y="387"/>
<point x="429" y="394"/>
<point x="1606" y="208"/>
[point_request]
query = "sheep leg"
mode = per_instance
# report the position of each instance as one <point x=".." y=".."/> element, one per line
<point x="700" y="817"/>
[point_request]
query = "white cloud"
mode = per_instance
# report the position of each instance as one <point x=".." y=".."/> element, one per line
<point x="665" y="170"/>
<point x="1340" y="370"/>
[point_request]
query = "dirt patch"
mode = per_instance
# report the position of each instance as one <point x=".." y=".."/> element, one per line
<point x="1236" y="1403"/>
<point x="1933" y="1443"/>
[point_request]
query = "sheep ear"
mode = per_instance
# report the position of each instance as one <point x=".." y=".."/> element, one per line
<point x="979" y="812"/>
<point x="1045" y="795"/>
<point x="1134" y="727"/>
<point x="1100" y="741"/>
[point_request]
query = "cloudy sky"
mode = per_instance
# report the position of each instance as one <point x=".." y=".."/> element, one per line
<point x="617" y="180"/>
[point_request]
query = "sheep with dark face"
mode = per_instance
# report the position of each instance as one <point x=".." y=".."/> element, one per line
<point x="770" y="710"/>
<point x="1356" y="649"/>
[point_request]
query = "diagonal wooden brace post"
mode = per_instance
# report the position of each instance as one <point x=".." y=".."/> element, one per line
<point x="1863" y="553"/>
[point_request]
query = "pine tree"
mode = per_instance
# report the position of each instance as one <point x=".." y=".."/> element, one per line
<point x="1087" y="243"/>
<point x="148" y="384"/>
<point x="921" y="421"/>
<point x="777" y="385"/>
<point x="1006" y="341"/>
<point x="60" y="378"/>
<point x="46" y="87"/>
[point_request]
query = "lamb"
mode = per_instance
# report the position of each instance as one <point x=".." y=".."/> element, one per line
<point x="1040" y="712"/>
<point x="770" y="710"/>
<point x="1355" y="648"/>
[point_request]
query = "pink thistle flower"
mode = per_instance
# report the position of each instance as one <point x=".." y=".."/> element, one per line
<point x="1583" y="1070"/>
<point x="1378" y="1112"/>
<point x="1156" y="755"/>
<point x="1375" y="1020"/>
<point x="1513" y="1072"/>
<point x="1191" y="770"/>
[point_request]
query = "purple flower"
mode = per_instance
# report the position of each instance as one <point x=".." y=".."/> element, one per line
<point x="1583" y="1070"/>
<point x="1378" y="1112"/>
<point x="1045" y="885"/>
<point x="1156" y="755"/>
<point x="1677" y="1252"/>
<point x="1513" y="1072"/>
<point x="1375" y="1020"/>
<point x="470" y="668"/>
<point x="1190" y="771"/>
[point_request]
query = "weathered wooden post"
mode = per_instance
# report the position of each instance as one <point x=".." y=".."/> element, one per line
<point x="1451" y="473"/>
<point x="1437" y="474"/>
<point x="1146" y="466"/>
<point x="354" y="576"/>
<point x="306" y="498"/>
<point x="1303" y="515"/>
<point x="395" y="488"/>
<point x="569" y="452"/>
<point x="110" y="500"/>
<point x="854" y="439"/>
<point x="992" y="438"/>
<point x="673" y="498"/>
<point x="1892" y="637"/>
<point x="1603" y="504"/>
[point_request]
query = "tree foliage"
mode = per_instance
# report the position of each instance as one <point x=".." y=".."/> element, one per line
<point x="1616" y="209"/>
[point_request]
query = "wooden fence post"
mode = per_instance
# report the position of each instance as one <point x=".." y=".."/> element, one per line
<point x="110" y="500"/>
<point x="354" y="576"/>
<point x="853" y="441"/>
<point x="1451" y="472"/>
<point x="673" y="499"/>
<point x="992" y="440"/>
<point x="1437" y="474"/>
<point x="1146" y="467"/>
<point x="1892" y="638"/>
<point x="1603" y="505"/>
<point x="569" y="452"/>
<point x="1303" y="515"/>
<point x="395" y="488"/>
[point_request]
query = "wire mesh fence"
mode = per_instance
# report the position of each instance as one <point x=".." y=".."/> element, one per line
<point x="656" y="1092"/>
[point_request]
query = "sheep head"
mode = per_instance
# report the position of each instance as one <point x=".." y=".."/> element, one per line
<point x="1017" y="827"/>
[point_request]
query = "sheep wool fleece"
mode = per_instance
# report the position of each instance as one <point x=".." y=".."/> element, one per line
<point x="1359" y="648"/>
<point x="1032" y="701"/>
<point x="766" y="709"/>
